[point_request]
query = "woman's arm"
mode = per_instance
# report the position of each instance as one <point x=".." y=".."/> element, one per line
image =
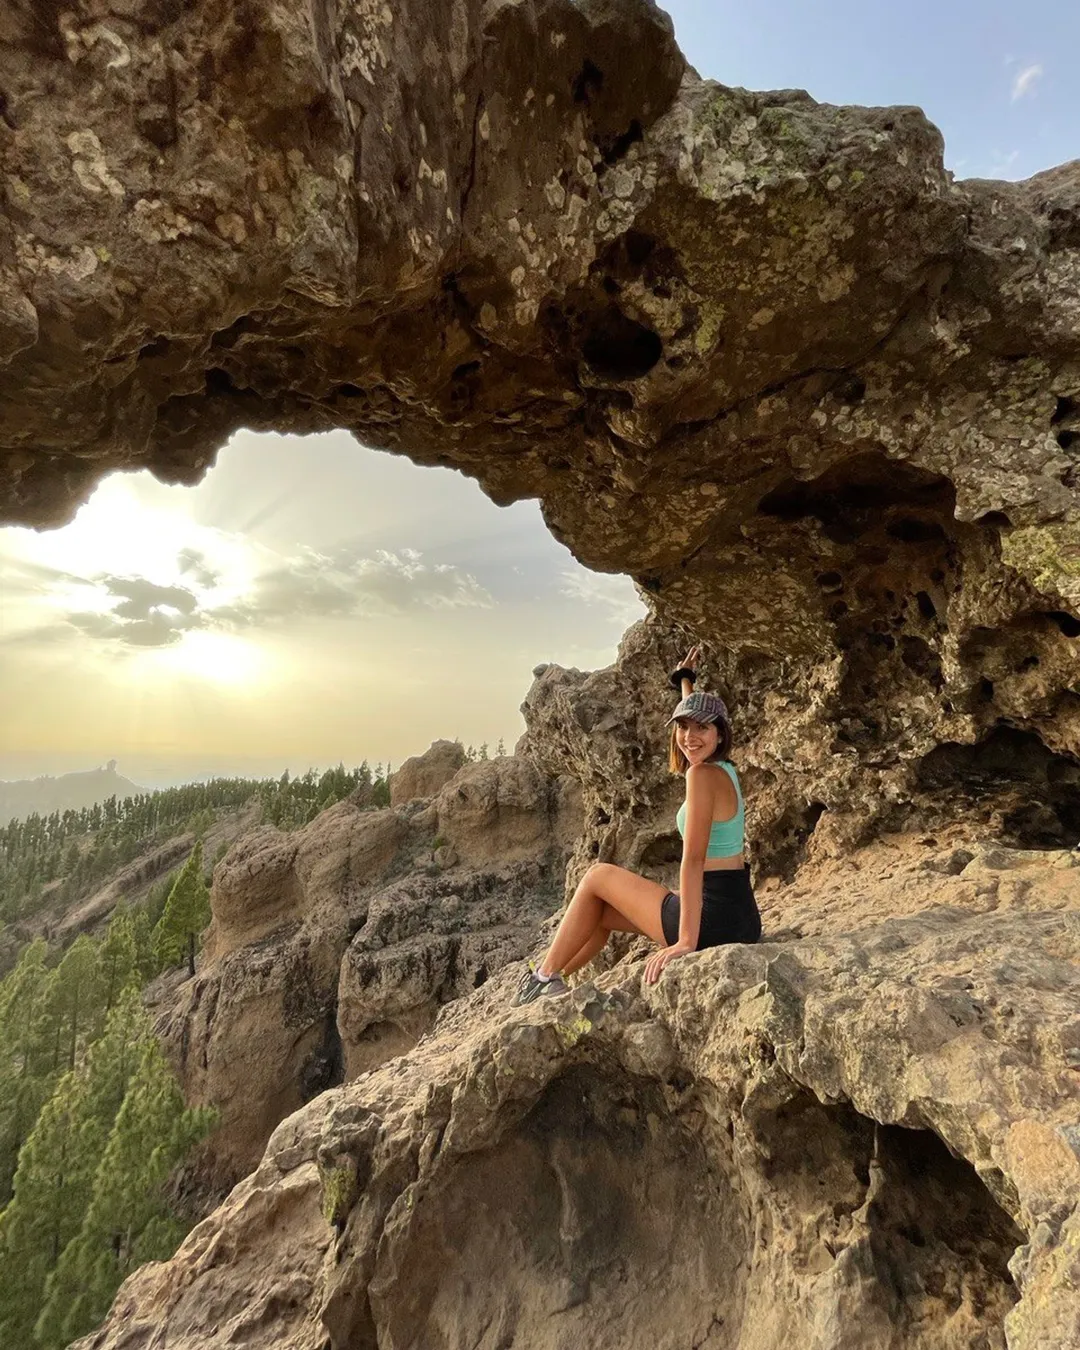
<point x="689" y="665"/>
<point x="698" y="827"/>
<point x="692" y="872"/>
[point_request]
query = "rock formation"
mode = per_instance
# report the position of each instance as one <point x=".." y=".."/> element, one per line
<point x="332" y="948"/>
<point x="423" y="775"/>
<point x="606" y="729"/>
<point x="823" y="403"/>
<point x="863" y="1138"/>
<point x="764" y="355"/>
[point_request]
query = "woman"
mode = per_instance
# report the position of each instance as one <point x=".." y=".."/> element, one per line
<point x="715" y="902"/>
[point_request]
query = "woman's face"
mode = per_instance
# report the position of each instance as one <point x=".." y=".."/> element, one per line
<point x="697" y="740"/>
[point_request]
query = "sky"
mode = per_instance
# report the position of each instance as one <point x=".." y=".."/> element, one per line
<point x="314" y="601"/>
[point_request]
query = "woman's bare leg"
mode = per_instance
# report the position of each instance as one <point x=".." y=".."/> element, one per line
<point x="634" y="898"/>
<point x="611" y="921"/>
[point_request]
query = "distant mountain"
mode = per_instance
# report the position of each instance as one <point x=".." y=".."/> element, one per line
<point x="71" y="791"/>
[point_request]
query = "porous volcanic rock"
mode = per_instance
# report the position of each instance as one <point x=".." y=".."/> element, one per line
<point x="864" y="1138"/>
<point x="808" y="793"/>
<point x="331" y="949"/>
<point x="423" y="775"/>
<point x="763" y="354"/>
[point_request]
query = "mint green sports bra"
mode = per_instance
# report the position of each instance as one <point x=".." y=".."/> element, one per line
<point x="726" y="836"/>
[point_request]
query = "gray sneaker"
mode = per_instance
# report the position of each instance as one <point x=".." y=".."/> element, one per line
<point x="531" y="986"/>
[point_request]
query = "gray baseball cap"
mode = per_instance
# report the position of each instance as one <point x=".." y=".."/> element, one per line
<point x="701" y="708"/>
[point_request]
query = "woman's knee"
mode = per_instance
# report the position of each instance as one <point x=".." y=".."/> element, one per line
<point x="602" y="872"/>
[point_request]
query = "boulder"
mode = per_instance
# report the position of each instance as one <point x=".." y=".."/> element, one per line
<point x="423" y="775"/>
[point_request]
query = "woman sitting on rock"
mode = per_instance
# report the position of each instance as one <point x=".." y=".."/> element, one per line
<point x="715" y="903"/>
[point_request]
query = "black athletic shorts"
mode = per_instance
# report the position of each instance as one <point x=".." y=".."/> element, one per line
<point x="729" y="912"/>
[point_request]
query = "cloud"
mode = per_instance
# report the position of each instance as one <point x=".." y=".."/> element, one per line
<point x="193" y="563"/>
<point x="145" y="615"/>
<point x="1025" y="80"/>
<point x="156" y="630"/>
<point x="315" y="585"/>
<point x="137" y="612"/>
<point x="614" y="594"/>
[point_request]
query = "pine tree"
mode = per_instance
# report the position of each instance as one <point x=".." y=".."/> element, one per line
<point x="186" y="914"/>
<point x="142" y="932"/>
<point x="118" y="956"/>
<point x="500" y="749"/>
<point x="26" y="1076"/>
<point x="74" y="1001"/>
<point x="57" y="1166"/>
<point x="40" y="1220"/>
<point x="128" y="1220"/>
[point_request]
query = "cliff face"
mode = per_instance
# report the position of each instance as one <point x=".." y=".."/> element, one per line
<point x="332" y="948"/>
<point x="760" y="353"/>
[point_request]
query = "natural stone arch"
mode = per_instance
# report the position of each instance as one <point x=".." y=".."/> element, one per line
<point x="762" y="354"/>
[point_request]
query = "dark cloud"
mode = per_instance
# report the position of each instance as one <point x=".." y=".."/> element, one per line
<point x="156" y="630"/>
<point x="145" y="615"/>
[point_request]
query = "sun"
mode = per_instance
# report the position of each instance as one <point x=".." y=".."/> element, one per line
<point x="218" y="658"/>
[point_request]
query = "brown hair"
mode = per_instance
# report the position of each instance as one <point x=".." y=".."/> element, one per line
<point x="677" y="761"/>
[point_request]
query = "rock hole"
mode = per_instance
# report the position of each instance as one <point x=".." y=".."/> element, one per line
<point x="466" y="368"/>
<point x="1067" y="439"/>
<point x="997" y="520"/>
<point x="911" y="531"/>
<point x="159" y="347"/>
<point x="830" y="581"/>
<point x="480" y="977"/>
<point x="349" y="391"/>
<point x="1010" y="776"/>
<point x="1028" y="663"/>
<point x="927" y="608"/>
<point x="1068" y="623"/>
<point x="1064" y="408"/>
<point x="850" y="497"/>
<point x="922" y="660"/>
<point x="663" y="852"/>
<point x="219" y="382"/>
<point x="618" y="147"/>
<point x="849" y="389"/>
<point x="618" y="348"/>
<point x="588" y="83"/>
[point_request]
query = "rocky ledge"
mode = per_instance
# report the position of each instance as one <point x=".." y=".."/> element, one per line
<point x="862" y="1138"/>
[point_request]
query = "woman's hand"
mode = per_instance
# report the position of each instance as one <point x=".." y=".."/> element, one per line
<point x="656" y="963"/>
<point x="690" y="660"/>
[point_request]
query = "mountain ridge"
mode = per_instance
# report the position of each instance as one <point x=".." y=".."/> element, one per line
<point x="24" y="797"/>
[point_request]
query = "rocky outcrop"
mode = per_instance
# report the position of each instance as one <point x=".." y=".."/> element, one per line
<point x="332" y="948"/>
<point x="808" y="796"/>
<point x="423" y="775"/>
<point x="762" y="354"/>
<point x="866" y="1137"/>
